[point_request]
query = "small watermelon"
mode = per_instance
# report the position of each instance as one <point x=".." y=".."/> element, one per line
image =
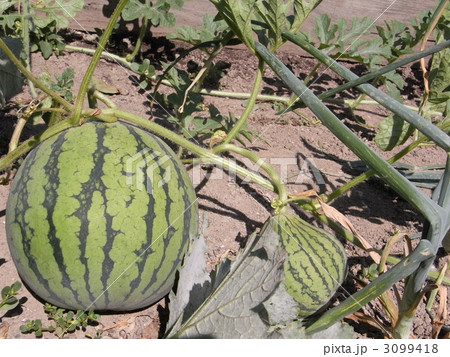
<point x="99" y="217"/>
<point x="316" y="262"/>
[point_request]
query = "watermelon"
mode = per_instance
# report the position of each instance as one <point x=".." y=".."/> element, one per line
<point x="316" y="262"/>
<point x="99" y="217"/>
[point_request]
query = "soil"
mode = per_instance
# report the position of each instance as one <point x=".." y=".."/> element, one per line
<point x="234" y="208"/>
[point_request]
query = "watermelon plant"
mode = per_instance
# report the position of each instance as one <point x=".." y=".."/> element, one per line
<point x="103" y="225"/>
<point x="62" y="322"/>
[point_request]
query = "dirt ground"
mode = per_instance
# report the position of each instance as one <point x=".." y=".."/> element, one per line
<point x="233" y="208"/>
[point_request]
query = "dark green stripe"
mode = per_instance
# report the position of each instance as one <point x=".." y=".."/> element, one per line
<point x="98" y="173"/>
<point x="19" y="190"/>
<point x="51" y="190"/>
<point x="145" y="252"/>
<point x="85" y="198"/>
<point x="302" y="238"/>
<point x="330" y="251"/>
<point x="183" y="190"/>
<point x="308" y="247"/>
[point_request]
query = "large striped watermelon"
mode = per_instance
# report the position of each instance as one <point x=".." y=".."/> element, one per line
<point x="99" y="217"/>
<point x="316" y="262"/>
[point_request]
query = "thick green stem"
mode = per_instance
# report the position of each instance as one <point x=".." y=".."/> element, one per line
<point x="251" y="103"/>
<point x="85" y="83"/>
<point x="424" y="126"/>
<point x="364" y="176"/>
<point x="140" y="39"/>
<point x="375" y="74"/>
<point x="104" y="54"/>
<point x="239" y="95"/>
<point x="405" y="188"/>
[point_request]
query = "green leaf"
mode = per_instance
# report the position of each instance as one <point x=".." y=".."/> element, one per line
<point x="367" y="51"/>
<point x="16" y="286"/>
<point x="393" y="131"/>
<point x="357" y="28"/>
<point x="133" y="10"/>
<point x="238" y="15"/>
<point x="439" y="76"/>
<point x="209" y="31"/>
<point x="5" y="292"/>
<point x="24" y="329"/>
<point x="11" y="80"/>
<point x="5" y="5"/>
<point x="301" y="10"/>
<point x="46" y="49"/>
<point x="103" y="87"/>
<point x="59" y="11"/>
<point x="274" y="14"/>
<point x="230" y="301"/>
<point x="63" y="84"/>
<point x="9" y="304"/>
<point x="322" y="29"/>
<point x="8" y="23"/>
<point x="157" y="12"/>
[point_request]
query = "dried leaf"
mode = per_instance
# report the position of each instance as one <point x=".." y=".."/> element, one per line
<point x="217" y="137"/>
<point x="4" y="331"/>
<point x="191" y="287"/>
<point x="103" y="87"/>
<point x="441" y="313"/>
<point x="361" y="317"/>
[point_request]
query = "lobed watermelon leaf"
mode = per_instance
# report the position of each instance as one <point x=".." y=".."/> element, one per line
<point x="238" y="15"/>
<point x="157" y="12"/>
<point x="47" y="11"/>
<point x="273" y="14"/>
<point x="301" y="10"/>
<point x="209" y="31"/>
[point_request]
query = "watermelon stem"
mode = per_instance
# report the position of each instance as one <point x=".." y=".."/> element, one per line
<point x="280" y="188"/>
<point x="205" y="156"/>
<point x="85" y="83"/>
<point x="250" y="104"/>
